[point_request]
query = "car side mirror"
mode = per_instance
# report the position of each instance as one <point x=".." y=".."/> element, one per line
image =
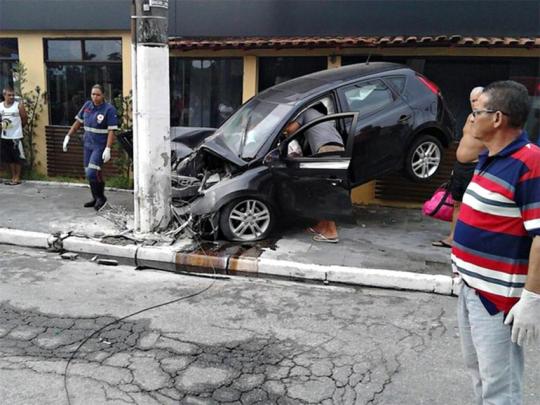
<point x="270" y="157"/>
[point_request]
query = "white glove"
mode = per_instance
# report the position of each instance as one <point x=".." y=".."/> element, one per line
<point x="65" y="144"/>
<point x="106" y="155"/>
<point x="526" y="317"/>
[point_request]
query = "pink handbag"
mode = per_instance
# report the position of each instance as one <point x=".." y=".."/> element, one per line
<point x="440" y="205"/>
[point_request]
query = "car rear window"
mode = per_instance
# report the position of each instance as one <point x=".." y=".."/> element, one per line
<point x="368" y="97"/>
<point x="398" y="82"/>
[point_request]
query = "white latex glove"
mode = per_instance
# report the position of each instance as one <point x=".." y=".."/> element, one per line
<point x="106" y="155"/>
<point x="526" y="317"/>
<point x="65" y="144"/>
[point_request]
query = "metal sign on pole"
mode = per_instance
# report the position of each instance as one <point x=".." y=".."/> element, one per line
<point x="151" y="116"/>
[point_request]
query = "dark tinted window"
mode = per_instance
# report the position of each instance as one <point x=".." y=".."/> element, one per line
<point x="273" y="71"/>
<point x="103" y="50"/>
<point x="367" y="97"/>
<point x="9" y="55"/>
<point x="9" y="48"/>
<point x="70" y="78"/>
<point x="456" y="78"/>
<point x="204" y="92"/>
<point x="64" y="50"/>
<point x="397" y="82"/>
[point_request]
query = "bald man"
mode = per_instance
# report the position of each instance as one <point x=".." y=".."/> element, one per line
<point x="466" y="158"/>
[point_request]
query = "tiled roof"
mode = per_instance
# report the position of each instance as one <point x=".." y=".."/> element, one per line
<point x="351" y="42"/>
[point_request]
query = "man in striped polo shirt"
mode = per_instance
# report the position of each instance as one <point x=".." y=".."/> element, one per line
<point x="496" y="247"/>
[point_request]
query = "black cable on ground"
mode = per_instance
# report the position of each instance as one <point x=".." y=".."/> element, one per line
<point x="130" y="315"/>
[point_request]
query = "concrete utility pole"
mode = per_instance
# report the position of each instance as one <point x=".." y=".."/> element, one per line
<point x="151" y="115"/>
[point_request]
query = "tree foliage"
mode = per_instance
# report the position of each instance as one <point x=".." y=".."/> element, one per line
<point x="33" y="101"/>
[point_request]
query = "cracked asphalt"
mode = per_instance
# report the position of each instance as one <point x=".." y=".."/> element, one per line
<point x="243" y="341"/>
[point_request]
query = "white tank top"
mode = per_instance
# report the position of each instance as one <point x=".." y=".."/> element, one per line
<point x="14" y="127"/>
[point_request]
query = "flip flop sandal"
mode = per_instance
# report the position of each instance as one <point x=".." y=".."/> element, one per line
<point x="441" y="243"/>
<point x="13" y="183"/>
<point x="322" y="238"/>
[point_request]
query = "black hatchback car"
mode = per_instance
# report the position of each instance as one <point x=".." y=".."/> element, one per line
<point x="241" y="178"/>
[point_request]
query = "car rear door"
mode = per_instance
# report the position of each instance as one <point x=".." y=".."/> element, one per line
<point x="313" y="186"/>
<point x="384" y="121"/>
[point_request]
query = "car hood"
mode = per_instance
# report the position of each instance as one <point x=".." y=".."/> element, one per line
<point x="218" y="147"/>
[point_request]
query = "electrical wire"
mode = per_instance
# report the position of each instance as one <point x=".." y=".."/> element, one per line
<point x="74" y="353"/>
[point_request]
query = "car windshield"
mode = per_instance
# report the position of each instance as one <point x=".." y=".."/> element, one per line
<point x="249" y="128"/>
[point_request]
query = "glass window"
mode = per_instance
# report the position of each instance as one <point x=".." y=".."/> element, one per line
<point x="398" y="83"/>
<point x="9" y="48"/>
<point x="273" y="71"/>
<point x="103" y="50"/>
<point x="64" y="50"/>
<point x="9" y="55"/>
<point x="69" y="82"/>
<point x="456" y="77"/>
<point x="204" y="92"/>
<point x="368" y="97"/>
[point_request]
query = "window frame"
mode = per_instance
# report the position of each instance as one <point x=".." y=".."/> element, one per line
<point x="83" y="49"/>
<point x="78" y="62"/>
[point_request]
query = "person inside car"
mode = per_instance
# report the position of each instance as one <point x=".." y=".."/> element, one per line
<point x="321" y="138"/>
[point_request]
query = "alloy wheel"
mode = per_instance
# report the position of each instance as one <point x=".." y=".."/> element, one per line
<point x="426" y="159"/>
<point x="249" y="219"/>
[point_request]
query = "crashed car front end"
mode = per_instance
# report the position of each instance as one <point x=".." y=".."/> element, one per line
<point x="192" y="195"/>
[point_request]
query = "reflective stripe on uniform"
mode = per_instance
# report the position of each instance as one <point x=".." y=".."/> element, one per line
<point x="93" y="166"/>
<point x="96" y="130"/>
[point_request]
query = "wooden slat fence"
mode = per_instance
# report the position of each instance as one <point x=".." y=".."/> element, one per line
<point x="70" y="164"/>
<point x="396" y="187"/>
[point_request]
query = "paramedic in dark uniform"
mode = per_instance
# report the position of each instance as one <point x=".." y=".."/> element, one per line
<point x="100" y="121"/>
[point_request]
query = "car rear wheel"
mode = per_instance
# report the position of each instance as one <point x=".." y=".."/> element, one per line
<point x="246" y="220"/>
<point x="424" y="158"/>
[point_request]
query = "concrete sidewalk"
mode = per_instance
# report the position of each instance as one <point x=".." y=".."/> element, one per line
<point x="382" y="247"/>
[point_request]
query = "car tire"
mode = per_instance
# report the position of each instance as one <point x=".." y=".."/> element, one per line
<point x="247" y="219"/>
<point x="424" y="158"/>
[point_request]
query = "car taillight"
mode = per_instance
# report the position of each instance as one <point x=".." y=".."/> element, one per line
<point x="430" y="85"/>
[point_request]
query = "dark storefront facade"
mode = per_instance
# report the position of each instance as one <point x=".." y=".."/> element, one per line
<point x="215" y="67"/>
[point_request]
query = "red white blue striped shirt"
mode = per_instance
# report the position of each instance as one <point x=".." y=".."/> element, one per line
<point x="499" y="216"/>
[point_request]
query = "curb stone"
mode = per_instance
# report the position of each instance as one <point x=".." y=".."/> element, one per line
<point x="68" y="184"/>
<point x="168" y="258"/>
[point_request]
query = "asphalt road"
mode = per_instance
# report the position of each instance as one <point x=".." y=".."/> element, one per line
<point x="233" y="341"/>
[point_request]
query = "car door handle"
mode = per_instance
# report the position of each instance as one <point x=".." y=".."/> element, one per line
<point x="404" y="118"/>
<point x="334" y="180"/>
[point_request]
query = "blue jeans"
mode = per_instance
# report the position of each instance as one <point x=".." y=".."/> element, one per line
<point x="494" y="362"/>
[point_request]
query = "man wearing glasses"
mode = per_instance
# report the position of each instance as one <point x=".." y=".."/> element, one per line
<point x="496" y="248"/>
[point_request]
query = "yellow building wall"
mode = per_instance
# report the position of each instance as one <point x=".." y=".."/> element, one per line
<point x="32" y="55"/>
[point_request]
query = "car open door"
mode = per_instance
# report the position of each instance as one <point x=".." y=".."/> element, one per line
<point x="314" y="186"/>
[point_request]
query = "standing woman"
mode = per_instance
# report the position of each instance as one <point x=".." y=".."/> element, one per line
<point x="100" y="121"/>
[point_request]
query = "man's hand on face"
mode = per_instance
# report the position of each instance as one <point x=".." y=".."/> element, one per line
<point x="525" y="316"/>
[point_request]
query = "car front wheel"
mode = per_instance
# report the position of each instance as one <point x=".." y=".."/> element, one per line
<point x="424" y="158"/>
<point x="246" y="220"/>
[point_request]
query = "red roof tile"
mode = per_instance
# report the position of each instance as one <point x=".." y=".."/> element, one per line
<point x="186" y="44"/>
